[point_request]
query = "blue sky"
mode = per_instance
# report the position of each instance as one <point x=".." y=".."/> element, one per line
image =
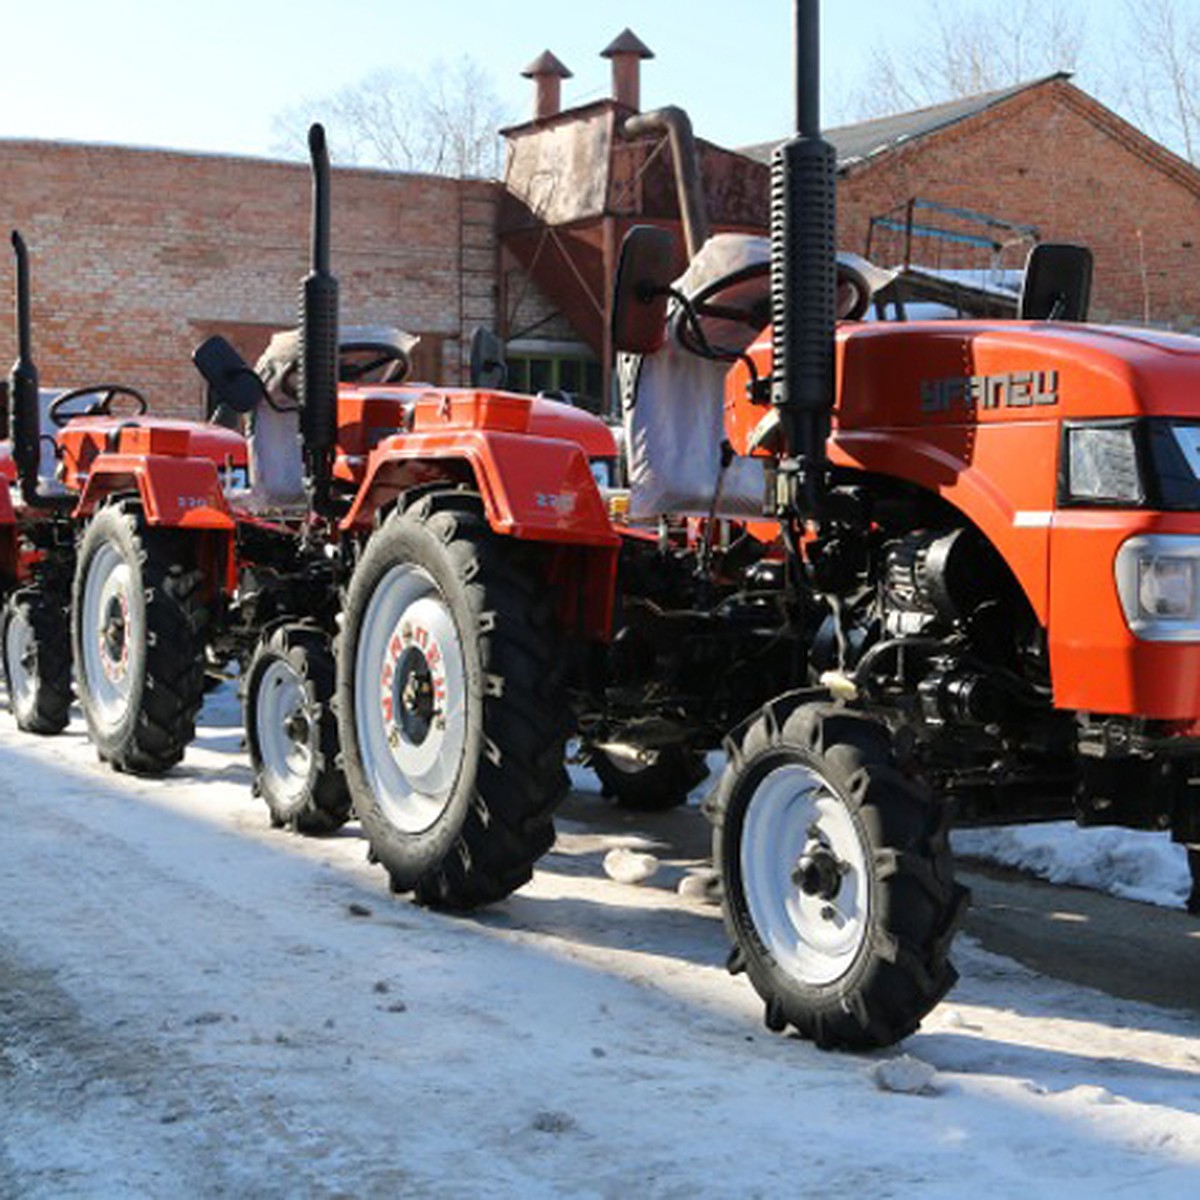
<point x="210" y="75"/>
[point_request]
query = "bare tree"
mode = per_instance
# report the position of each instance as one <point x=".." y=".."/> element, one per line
<point x="968" y="49"/>
<point x="1159" y="83"/>
<point x="443" y="121"/>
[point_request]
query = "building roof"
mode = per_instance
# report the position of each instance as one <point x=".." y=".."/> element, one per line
<point x="857" y="143"/>
<point x="546" y="64"/>
<point x="627" y="42"/>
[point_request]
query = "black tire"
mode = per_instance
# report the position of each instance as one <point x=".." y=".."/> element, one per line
<point x="651" y="787"/>
<point x="838" y="881"/>
<point x="455" y="795"/>
<point x="291" y="731"/>
<point x="35" y="647"/>
<point x="138" y="647"/>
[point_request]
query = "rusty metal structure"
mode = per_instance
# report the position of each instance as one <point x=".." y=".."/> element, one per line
<point x="577" y="179"/>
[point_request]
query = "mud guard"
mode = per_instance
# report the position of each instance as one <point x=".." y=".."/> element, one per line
<point x="533" y="489"/>
<point x="178" y="493"/>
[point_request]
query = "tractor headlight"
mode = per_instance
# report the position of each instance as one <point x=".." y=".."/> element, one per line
<point x="1156" y="580"/>
<point x="1102" y="465"/>
<point x="602" y="472"/>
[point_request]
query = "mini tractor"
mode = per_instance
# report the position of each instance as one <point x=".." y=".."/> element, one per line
<point x="896" y="571"/>
<point x="44" y="492"/>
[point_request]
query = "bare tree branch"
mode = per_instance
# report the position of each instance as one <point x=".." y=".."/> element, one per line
<point x="968" y="49"/>
<point x="1159" y="85"/>
<point x="442" y="122"/>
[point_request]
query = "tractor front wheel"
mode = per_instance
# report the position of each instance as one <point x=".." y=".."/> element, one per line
<point x="838" y="885"/>
<point x="451" y="708"/>
<point x="291" y="731"/>
<point x="35" y="639"/>
<point x="136" y="639"/>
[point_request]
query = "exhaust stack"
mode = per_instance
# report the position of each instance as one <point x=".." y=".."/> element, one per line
<point x="319" y="340"/>
<point x="25" y="412"/>
<point x="804" y="279"/>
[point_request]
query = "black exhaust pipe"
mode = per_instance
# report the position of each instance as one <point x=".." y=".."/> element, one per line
<point x="25" y="413"/>
<point x="319" y="340"/>
<point x="804" y="280"/>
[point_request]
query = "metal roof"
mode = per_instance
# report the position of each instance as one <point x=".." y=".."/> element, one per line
<point x="857" y="143"/>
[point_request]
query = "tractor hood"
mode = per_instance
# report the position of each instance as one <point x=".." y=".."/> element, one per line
<point x="922" y="373"/>
<point x="84" y="438"/>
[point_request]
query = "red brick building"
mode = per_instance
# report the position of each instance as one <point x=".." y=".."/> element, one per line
<point x="137" y="255"/>
<point x="1043" y="154"/>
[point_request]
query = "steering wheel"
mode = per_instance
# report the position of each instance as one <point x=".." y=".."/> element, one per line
<point x="101" y="407"/>
<point x="734" y="304"/>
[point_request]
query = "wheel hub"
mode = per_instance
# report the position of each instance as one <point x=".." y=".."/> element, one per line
<point x="296" y="728"/>
<point x="819" y="872"/>
<point x="113" y="643"/>
<point x="414" y="705"/>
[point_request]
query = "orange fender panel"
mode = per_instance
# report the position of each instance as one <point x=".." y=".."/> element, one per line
<point x="539" y="489"/>
<point x="179" y="493"/>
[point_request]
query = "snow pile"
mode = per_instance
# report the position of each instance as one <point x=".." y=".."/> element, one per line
<point x="628" y="866"/>
<point x="1128" y="863"/>
<point x="907" y="1075"/>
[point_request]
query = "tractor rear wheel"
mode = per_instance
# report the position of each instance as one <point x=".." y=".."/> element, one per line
<point x="653" y="786"/>
<point x="137" y="642"/>
<point x="451" y="706"/>
<point x="35" y="638"/>
<point x="291" y="731"/>
<point x="838" y="883"/>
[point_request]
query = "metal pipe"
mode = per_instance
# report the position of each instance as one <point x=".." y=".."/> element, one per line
<point x="807" y="30"/>
<point x="24" y="396"/>
<point x="677" y="126"/>
<point x="804" y="282"/>
<point x="319" y="338"/>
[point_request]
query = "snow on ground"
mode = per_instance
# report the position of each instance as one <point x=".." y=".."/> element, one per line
<point x="194" y="1004"/>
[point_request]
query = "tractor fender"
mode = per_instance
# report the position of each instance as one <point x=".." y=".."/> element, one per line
<point x="183" y="493"/>
<point x="533" y="488"/>
<point x="10" y="566"/>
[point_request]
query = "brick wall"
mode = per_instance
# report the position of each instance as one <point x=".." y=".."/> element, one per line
<point x="1054" y="158"/>
<point x="136" y="255"/>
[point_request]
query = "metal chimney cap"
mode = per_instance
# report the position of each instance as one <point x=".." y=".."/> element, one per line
<point x="627" y="42"/>
<point x="546" y="64"/>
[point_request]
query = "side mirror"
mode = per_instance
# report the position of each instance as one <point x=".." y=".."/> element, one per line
<point x="233" y="385"/>
<point x="488" y="368"/>
<point x="1058" y="283"/>
<point x="644" y="273"/>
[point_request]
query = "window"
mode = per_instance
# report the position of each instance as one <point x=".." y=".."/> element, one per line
<point x="565" y="367"/>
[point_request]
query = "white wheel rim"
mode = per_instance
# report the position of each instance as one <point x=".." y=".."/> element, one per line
<point x="410" y="699"/>
<point x="109" y="631"/>
<point x="814" y="937"/>
<point x="20" y="656"/>
<point x="282" y="727"/>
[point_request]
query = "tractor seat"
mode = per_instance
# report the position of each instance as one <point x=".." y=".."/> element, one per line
<point x="367" y="354"/>
<point x="673" y="401"/>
